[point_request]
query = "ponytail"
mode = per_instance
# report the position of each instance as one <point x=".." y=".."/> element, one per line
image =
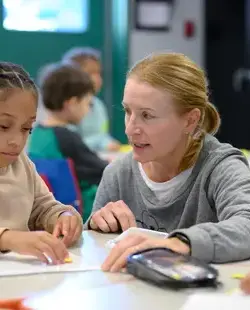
<point x="212" y="119"/>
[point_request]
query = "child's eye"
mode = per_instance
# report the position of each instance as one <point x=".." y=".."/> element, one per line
<point x="2" y="127"/>
<point x="27" y="129"/>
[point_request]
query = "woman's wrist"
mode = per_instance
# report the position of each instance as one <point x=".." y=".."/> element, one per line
<point x="181" y="244"/>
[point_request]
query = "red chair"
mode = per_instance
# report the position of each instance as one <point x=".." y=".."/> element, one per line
<point x="46" y="181"/>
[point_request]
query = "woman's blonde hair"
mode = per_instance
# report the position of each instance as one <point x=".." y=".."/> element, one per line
<point x="180" y="76"/>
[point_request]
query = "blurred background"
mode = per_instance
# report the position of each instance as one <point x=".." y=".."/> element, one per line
<point x="214" y="33"/>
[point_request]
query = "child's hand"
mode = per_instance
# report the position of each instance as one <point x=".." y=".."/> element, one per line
<point x="69" y="227"/>
<point x="40" y="244"/>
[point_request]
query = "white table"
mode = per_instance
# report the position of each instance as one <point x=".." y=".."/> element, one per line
<point x="111" y="291"/>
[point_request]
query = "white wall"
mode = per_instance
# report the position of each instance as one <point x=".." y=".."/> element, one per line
<point x="143" y="42"/>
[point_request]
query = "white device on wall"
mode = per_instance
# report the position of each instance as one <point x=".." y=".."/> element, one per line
<point x="153" y="14"/>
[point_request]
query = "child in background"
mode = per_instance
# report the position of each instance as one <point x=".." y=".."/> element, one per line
<point x="94" y="128"/>
<point x="31" y="220"/>
<point x="66" y="93"/>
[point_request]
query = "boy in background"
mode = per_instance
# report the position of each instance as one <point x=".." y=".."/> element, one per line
<point x="66" y="94"/>
<point x="94" y="128"/>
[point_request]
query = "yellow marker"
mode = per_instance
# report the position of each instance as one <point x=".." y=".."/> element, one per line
<point x="176" y="276"/>
<point x="238" y="276"/>
<point x="68" y="260"/>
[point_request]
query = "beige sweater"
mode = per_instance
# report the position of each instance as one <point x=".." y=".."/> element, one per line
<point x="25" y="201"/>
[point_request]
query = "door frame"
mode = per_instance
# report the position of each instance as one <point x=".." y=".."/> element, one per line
<point x="116" y="61"/>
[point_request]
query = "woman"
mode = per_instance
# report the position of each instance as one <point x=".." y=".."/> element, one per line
<point x="178" y="178"/>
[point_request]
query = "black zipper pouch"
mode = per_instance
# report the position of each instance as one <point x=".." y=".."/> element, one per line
<point x="164" y="267"/>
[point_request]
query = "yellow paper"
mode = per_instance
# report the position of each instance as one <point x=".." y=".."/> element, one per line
<point x="68" y="260"/>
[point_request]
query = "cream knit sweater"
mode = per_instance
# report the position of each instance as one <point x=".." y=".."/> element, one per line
<point x="25" y="201"/>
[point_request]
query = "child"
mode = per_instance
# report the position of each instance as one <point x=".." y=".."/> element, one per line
<point x="31" y="220"/>
<point x="66" y="93"/>
<point x="95" y="126"/>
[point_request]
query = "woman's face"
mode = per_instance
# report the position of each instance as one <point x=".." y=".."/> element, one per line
<point x="153" y="126"/>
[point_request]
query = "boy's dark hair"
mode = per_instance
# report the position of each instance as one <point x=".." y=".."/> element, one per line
<point x="61" y="82"/>
<point x="14" y="76"/>
<point x="79" y="54"/>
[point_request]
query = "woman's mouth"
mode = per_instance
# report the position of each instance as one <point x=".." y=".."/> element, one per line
<point x="140" y="145"/>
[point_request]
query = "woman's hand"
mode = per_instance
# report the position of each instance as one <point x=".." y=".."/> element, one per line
<point x="117" y="258"/>
<point x="113" y="217"/>
<point x="69" y="227"/>
<point x="40" y="244"/>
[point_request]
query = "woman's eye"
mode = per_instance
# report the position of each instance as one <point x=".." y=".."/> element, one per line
<point x="146" y="115"/>
<point x="126" y="110"/>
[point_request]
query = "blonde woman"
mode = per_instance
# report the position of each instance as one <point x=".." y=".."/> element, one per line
<point x="179" y="178"/>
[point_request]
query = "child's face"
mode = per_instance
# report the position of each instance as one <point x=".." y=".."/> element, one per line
<point x="78" y="108"/>
<point x="93" y="68"/>
<point x="17" y="114"/>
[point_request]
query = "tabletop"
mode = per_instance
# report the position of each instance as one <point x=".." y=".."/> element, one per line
<point x="101" y="290"/>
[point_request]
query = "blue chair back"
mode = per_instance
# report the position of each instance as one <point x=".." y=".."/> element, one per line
<point x="61" y="176"/>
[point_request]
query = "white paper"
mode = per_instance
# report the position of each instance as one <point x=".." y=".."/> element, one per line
<point x="217" y="302"/>
<point x="13" y="264"/>
<point x="136" y="231"/>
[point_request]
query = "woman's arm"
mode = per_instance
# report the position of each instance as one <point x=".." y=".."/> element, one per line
<point x="229" y="239"/>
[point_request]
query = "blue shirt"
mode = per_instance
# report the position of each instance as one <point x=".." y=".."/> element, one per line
<point x="94" y="127"/>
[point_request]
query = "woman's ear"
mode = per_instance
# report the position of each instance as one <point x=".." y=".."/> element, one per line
<point x="192" y="120"/>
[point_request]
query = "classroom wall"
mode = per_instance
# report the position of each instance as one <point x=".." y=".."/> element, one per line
<point x="144" y="42"/>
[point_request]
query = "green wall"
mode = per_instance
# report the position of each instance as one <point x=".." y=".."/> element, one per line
<point x="35" y="49"/>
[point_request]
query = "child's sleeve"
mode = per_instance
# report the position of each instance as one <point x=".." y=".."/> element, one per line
<point x="46" y="209"/>
<point x="88" y="165"/>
